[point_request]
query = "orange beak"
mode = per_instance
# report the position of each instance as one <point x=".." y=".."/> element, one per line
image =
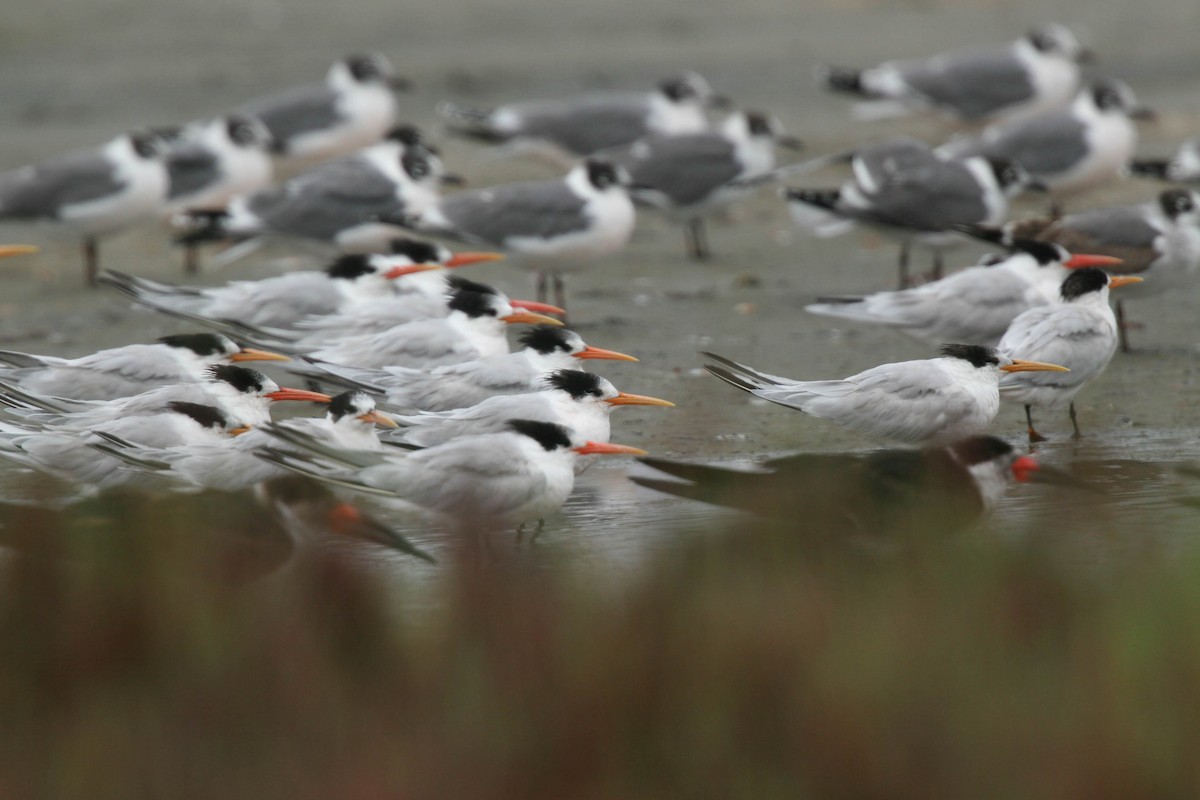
<point x="1084" y="260"/>
<point x="239" y="430"/>
<point x="379" y="418"/>
<point x="249" y="354"/>
<point x="1023" y="467"/>
<point x="1020" y="365"/>
<point x="530" y="318"/>
<point x="1123" y="280"/>
<point x="410" y="269"/>
<point x="596" y="352"/>
<point x="626" y="399"/>
<point x="463" y="259"/>
<point x="8" y="250"/>
<point x="606" y="449"/>
<point x="542" y="308"/>
<point x="299" y="395"/>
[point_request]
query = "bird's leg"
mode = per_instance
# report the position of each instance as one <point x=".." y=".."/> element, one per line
<point x="91" y="260"/>
<point x="695" y="236"/>
<point x="539" y="292"/>
<point x="1034" y="436"/>
<point x="904" y="254"/>
<point x="520" y="531"/>
<point x="1123" y="326"/>
<point x="541" y="523"/>
<point x="939" y="265"/>
<point x="191" y="258"/>
<point x="560" y="295"/>
<point x="1075" y="423"/>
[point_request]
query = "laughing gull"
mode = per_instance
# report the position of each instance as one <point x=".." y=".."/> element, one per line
<point x="339" y="203"/>
<point x="549" y="226"/>
<point x="210" y="163"/>
<point x="1159" y="241"/>
<point x="688" y="176"/>
<point x="1079" y="147"/>
<point x="571" y="128"/>
<point x="353" y="108"/>
<point x="1036" y="73"/>
<point x="91" y="192"/>
<point x="1184" y="167"/>
<point x="904" y="189"/>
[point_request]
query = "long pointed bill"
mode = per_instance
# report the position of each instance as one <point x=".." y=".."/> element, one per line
<point x="627" y="399"/>
<point x="600" y="353"/>
<point x="530" y="318"/>
<point x="463" y="259"/>
<point x="239" y="430"/>
<point x="606" y="449"/>
<point x="1085" y="260"/>
<point x="250" y="354"/>
<point x="410" y="269"/>
<point x="541" y="308"/>
<point x="1020" y="365"/>
<point x="9" y="250"/>
<point x="379" y="418"/>
<point x="1123" y="280"/>
<point x="299" y="395"/>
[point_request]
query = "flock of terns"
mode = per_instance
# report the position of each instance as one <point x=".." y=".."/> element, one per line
<point x="437" y="412"/>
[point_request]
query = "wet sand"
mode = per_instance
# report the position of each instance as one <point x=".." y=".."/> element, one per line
<point x="75" y="76"/>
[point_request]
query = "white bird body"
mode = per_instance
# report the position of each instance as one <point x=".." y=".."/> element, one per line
<point x="214" y="161"/>
<point x="422" y="344"/>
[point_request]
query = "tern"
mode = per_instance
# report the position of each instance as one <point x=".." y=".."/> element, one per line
<point x="1080" y="333"/>
<point x="1183" y="167"/>
<point x="576" y="127"/>
<point x="1158" y="240"/>
<point x="91" y="192"/>
<point x="129" y="370"/>
<point x="1077" y="148"/>
<point x="549" y="226"/>
<point x="926" y="403"/>
<point x="973" y="306"/>
<point x="492" y="481"/>
<point x="353" y="108"/>
<point x="885" y="495"/>
<point x="577" y="400"/>
<point x="544" y="349"/>
<point x="904" y="189"/>
<point x="1038" y="72"/>
<point x="689" y="176"/>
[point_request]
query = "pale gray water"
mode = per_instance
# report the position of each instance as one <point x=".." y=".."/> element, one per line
<point x="75" y="75"/>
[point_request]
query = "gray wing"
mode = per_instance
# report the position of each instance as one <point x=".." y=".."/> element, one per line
<point x="973" y="85"/>
<point x="470" y="476"/>
<point x="327" y="200"/>
<point x="295" y="112"/>
<point x="687" y="169"/>
<point x="190" y="168"/>
<point x="931" y="197"/>
<point x="1046" y="145"/>
<point x="44" y="189"/>
<point x="1122" y="231"/>
<point x="878" y="163"/>
<point x="493" y="216"/>
<point x="584" y="127"/>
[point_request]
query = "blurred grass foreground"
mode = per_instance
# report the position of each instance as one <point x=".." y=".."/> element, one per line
<point x="145" y="657"/>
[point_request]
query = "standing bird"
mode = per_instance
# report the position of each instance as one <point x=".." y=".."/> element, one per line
<point x="567" y="130"/>
<point x="577" y="400"/>
<point x="885" y="495"/>
<point x="549" y="226"/>
<point x="927" y="403"/>
<point x="1080" y="333"/>
<point x="129" y="370"/>
<point x="1038" y="72"/>
<point x="212" y="162"/>
<point x="1183" y="167"/>
<point x="1157" y="240"/>
<point x="492" y="481"/>
<point x="1085" y="145"/>
<point x="975" y="305"/>
<point x="544" y="349"/>
<point x="338" y="204"/>
<point x="353" y="108"/>
<point x="905" y="190"/>
<point x="690" y="175"/>
<point x="91" y="192"/>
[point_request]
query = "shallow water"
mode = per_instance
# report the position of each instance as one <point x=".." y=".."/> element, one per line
<point x="74" y="79"/>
